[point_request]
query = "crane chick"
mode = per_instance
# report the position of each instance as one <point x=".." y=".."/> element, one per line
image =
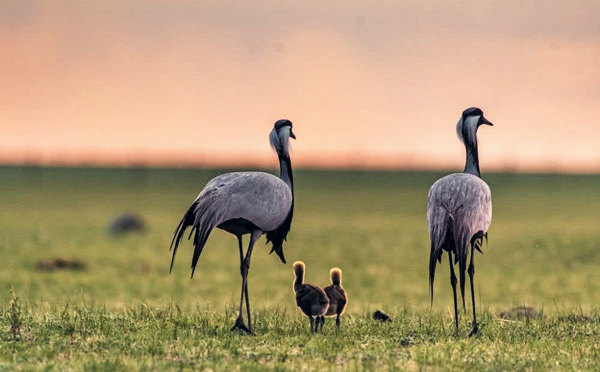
<point x="311" y="299"/>
<point x="337" y="297"/>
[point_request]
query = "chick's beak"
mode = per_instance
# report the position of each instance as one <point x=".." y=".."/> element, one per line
<point x="292" y="134"/>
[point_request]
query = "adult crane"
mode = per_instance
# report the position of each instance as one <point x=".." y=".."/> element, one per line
<point x="243" y="203"/>
<point x="459" y="213"/>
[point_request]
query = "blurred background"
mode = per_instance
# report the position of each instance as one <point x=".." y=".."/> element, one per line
<point x="367" y="84"/>
<point x="100" y="101"/>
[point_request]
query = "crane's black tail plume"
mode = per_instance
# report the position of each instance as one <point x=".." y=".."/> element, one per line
<point x="439" y="234"/>
<point x="186" y="221"/>
<point x="202" y="221"/>
<point x="279" y="235"/>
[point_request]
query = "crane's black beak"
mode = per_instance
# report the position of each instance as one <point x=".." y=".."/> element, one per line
<point x="485" y="121"/>
<point x="292" y="134"/>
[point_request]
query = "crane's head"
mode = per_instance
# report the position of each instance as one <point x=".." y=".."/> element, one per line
<point x="279" y="137"/>
<point x="467" y="125"/>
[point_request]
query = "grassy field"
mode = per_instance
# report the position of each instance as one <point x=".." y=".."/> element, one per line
<point x="124" y="310"/>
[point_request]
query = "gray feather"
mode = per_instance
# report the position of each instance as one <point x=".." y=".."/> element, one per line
<point x="261" y="198"/>
<point x="459" y="206"/>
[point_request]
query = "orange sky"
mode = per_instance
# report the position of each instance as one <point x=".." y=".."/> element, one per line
<point x="366" y="83"/>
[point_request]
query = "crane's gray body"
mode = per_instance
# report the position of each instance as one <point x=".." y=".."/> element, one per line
<point x="239" y="203"/>
<point x="260" y="198"/>
<point x="459" y="206"/>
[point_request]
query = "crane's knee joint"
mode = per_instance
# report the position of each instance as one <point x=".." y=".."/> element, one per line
<point x="244" y="267"/>
<point x="453" y="280"/>
<point x="471" y="269"/>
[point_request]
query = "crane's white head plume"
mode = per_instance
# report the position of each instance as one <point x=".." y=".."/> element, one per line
<point x="467" y="125"/>
<point x="279" y="137"/>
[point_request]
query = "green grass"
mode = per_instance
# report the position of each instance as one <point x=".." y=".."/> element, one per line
<point x="126" y="312"/>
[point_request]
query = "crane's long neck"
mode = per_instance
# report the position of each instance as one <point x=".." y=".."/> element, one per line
<point x="472" y="162"/>
<point x="279" y="235"/>
<point x="469" y="138"/>
<point x="285" y="167"/>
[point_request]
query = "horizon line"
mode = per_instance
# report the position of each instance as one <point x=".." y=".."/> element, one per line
<point x="338" y="161"/>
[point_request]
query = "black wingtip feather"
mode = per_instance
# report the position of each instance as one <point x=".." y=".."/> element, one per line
<point x="200" y="239"/>
<point x="189" y="219"/>
<point x="432" y="264"/>
<point x="436" y="249"/>
<point x="279" y="235"/>
<point x="279" y="251"/>
<point x="177" y="235"/>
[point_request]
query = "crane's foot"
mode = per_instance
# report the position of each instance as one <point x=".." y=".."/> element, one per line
<point x="475" y="330"/>
<point x="239" y="324"/>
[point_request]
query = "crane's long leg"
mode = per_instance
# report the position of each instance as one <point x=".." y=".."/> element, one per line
<point x="461" y="272"/>
<point x="241" y="247"/>
<point x="245" y="289"/>
<point x="244" y="267"/>
<point x="453" y="282"/>
<point x="248" y="300"/>
<point x="245" y="292"/>
<point x="239" y="322"/>
<point x="253" y="237"/>
<point x="471" y="276"/>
